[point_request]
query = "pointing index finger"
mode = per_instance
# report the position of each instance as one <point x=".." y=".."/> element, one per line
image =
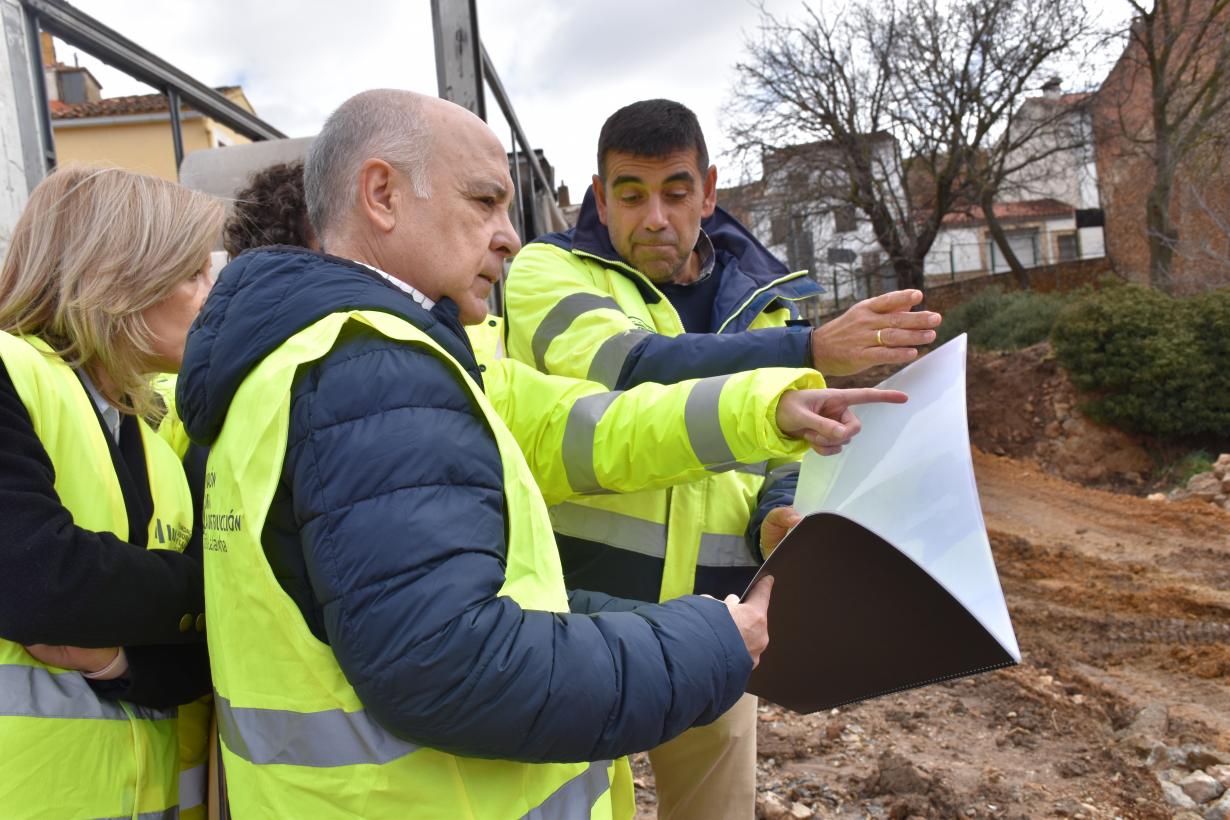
<point x="873" y="395"/>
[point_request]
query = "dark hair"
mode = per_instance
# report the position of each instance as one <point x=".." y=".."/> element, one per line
<point x="270" y="211"/>
<point x="652" y="128"/>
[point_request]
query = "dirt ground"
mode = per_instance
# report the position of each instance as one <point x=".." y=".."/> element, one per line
<point x="1122" y="612"/>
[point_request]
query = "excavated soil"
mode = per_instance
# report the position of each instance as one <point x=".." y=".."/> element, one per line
<point x="1122" y="612"/>
<point x="1022" y="404"/>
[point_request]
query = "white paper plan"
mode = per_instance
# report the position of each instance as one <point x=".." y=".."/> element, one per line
<point x="889" y="581"/>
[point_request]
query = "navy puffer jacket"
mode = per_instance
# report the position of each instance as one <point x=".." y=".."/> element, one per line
<point x="388" y="530"/>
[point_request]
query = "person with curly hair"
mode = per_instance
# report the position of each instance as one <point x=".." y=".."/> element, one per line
<point x="270" y="211"/>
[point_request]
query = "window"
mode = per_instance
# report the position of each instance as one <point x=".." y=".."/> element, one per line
<point x="1067" y="247"/>
<point x="779" y="229"/>
<point x="1024" y="245"/>
<point x="845" y="219"/>
<point x="800" y="249"/>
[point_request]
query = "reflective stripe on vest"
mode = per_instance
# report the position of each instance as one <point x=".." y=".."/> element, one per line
<point x="33" y="691"/>
<point x="705" y="425"/>
<point x="296" y="739"/>
<point x="609" y="361"/>
<point x="318" y="739"/>
<point x="580" y="431"/>
<point x="702" y="420"/>
<point x="561" y="317"/>
<point x="637" y="535"/>
<point x="63" y="750"/>
<point x="577" y="797"/>
<point x="192" y="784"/>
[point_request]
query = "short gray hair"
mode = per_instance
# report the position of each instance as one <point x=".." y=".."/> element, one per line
<point x="383" y="123"/>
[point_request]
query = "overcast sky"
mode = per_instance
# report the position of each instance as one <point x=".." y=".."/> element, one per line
<point x="566" y="65"/>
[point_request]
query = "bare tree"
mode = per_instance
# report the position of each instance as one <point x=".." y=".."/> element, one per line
<point x="906" y="98"/>
<point x="1170" y="98"/>
<point x="1211" y="250"/>
<point x="1046" y="143"/>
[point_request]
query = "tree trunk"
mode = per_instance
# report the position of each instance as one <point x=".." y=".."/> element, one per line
<point x="1001" y="242"/>
<point x="909" y="273"/>
<point x="1163" y="234"/>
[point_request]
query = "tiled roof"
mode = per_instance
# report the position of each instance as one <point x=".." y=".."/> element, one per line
<point x="1063" y="99"/>
<point x="118" y="106"/>
<point x="1013" y="210"/>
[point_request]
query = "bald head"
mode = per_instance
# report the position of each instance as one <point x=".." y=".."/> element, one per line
<point x="418" y="188"/>
<point x="389" y="124"/>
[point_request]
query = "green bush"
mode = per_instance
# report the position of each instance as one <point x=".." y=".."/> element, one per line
<point x="996" y="320"/>
<point x="1153" y="364"/>
<point x="1189" y="465"/>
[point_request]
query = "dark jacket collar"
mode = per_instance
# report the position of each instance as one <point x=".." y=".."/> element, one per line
<point x="743" y="264"/>
<point x="267" y="295"/>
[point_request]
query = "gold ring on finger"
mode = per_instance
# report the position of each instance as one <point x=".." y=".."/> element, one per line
<point x="879" y="338"/>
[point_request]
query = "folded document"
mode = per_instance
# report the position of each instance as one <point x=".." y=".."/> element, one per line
<point x="888" y="583"/>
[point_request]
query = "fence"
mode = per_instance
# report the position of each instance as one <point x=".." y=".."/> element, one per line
<point x="962" y="260"/>
<point x="942" y="296"/>
<point x="1063" y="277"/>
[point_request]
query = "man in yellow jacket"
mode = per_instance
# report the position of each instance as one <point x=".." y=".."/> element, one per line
<point x="390" y="633"/>
<point x="658" y="284"/>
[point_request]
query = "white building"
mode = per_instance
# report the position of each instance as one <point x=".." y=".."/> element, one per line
<point x="1039" y="205"/>
<point x="797" y="211"/>
<point x="792" y="210"/>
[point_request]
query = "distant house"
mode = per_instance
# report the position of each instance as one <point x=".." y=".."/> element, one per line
<point x="1049" y="209"/>
<point x="796" y="211"/>
<point x="133" y="132"/>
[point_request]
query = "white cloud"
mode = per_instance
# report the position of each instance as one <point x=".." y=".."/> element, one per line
<point x="566" y="65"/>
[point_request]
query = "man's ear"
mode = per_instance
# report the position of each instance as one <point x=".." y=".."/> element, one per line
<point x="376" y="194"/>
<point x="710" y="193"/>
<point x="600" y="198"/>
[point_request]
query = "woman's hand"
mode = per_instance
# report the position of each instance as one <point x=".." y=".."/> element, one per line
<point x="89" y="661"/>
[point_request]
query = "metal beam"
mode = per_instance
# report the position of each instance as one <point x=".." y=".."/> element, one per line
<point x="177" y="132"/>
<point x="459" y="56"/>
<point x="39" y="78"/>
<point x="84" y="32"/>
<point x="501" y="97"/>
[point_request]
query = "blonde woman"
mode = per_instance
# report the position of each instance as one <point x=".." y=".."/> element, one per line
<point x="101" y="609"/>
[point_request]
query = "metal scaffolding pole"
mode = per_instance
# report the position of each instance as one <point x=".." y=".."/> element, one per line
<point x="84" y="32"/>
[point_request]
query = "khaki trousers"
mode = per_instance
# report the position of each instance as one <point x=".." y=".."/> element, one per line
<point x="709" y="772"/>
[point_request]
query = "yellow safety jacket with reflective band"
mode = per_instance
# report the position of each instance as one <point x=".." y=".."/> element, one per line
<point x="296" y="741"/>
<point x="487" y="340"/>
<point x="571" y="314"/>
<point x="65" y="752"/>
<point x="195" y="717"/>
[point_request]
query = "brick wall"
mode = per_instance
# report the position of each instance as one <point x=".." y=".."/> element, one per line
<point x="1200" y="205"/>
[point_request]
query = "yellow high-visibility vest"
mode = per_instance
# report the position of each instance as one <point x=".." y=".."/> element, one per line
<point x="296" y="739"/>
<point x="65" y="752"/>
